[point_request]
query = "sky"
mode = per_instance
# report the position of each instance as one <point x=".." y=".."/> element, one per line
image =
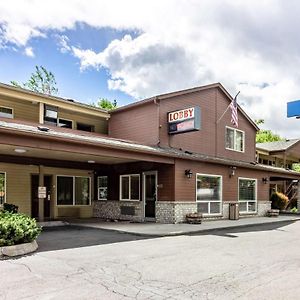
<point x="133" y="49"/>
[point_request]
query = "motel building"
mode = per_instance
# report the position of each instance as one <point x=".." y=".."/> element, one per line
<point x="153" y="160"/>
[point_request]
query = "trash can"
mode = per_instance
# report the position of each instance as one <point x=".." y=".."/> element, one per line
<point x="233" y="211"/>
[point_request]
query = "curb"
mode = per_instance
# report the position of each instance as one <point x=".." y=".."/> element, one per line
<point x="17" y="250"/>
<point x="190" y="232"/>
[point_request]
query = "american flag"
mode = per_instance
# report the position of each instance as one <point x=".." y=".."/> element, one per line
<point x="234" y="112"/>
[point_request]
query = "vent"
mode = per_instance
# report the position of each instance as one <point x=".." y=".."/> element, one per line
<point x="43" y="128"/>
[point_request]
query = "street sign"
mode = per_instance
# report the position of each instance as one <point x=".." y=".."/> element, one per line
<point x="293" y="109"/>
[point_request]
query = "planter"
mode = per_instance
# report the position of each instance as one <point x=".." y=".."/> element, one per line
<point x="194" y="218"/>
<point x="17" y="250"/>
<point x="273" y="213"/>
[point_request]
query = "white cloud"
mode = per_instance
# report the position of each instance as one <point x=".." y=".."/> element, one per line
<point x="250" y="46"/>
<point x="29" y="51"/>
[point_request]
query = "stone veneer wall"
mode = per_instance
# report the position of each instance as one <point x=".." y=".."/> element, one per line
<point x="173" y="212"/>
<point x="112" y="210"/>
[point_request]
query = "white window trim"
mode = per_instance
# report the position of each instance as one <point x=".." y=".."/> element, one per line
<point x="73" y="204"/>
<point x="12" y="111"/>
<point x="120" y="187"/>
<point x="234" y="138"/>
<point x="221" y="193"/>
<point x="246" y="201"/>
<point x="58" y="121"/>
<point x="102" y="199"/>
<point x="5" y="183"/>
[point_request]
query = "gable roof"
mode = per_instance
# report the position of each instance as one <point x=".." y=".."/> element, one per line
<point x="277" y="146"/>
<point x="182" y="92"/>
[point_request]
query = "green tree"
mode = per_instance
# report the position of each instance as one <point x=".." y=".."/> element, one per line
<point x="106" y="104"/>
<point x="42" y="81"/>
<point x="264" y="136"/>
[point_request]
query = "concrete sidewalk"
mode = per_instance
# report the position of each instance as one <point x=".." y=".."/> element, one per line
<point x="155" y="229"/>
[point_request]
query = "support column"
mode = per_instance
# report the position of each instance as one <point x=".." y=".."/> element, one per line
<point x="41" y="200"/>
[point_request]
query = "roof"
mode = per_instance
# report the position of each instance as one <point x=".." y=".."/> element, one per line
<point x="277" y="146"/>
<point x="182" y="92"/>
<point x="46" y="96"/>
<point x="68" y="135"/>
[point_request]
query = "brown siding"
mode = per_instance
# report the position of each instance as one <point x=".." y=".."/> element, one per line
<point x="137" y="124"/>
<point x="185" y="189"/>
<point x="22" y="110"/>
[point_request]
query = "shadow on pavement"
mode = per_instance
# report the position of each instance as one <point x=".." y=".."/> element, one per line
<point x="230" y="232"/>
<point x="67" y="237"/>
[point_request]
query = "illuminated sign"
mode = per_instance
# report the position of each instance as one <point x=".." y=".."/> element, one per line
<point x="184" y="120"/>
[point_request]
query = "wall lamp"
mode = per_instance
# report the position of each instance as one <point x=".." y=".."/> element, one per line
<point x="232" y="171"/>
<point x="265" y="180"/>
<point x="188" y="173"/>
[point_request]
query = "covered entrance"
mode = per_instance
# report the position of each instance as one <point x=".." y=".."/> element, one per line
<point x="150" y="194"/>
<point x="35" y="198"/>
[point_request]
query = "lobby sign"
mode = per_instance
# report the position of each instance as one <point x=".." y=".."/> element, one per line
<point x="184" y="120"/>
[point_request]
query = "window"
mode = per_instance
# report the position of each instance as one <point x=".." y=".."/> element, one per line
<point x="2" y="188"/>
<point x="65" y="123"/>
<point x="247" y="195"/>
<point x="6" y="112"/>
<point x="102" y="187"/>
<point x="209" y="194"/>
<point x="130" y="187"/>
<point x="73" y="190"/>
<point x="85" y="127"/>
<point x="50" y="115"/>
<point x="235" y="139"/>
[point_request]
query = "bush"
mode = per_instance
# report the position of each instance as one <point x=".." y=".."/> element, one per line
<point x="279" y="201"/>
<point x="294" y="210"/>
<point x="10" y="208"/>
<point x="17" y="229"/>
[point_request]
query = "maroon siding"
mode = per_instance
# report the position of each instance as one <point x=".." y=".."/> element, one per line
<point x="136" y="124"/>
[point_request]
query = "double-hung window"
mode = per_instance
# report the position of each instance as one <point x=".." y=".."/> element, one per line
<point x="130" y="187"/>
<point x="6" y="112"/>
<point x="247" y="195"/>
<point x="209" y="194"/>
<point x="2" y="188"/>
<point x="73" y="190"/>
<point x="50" y="115"/>
<point x="235" y="139"/>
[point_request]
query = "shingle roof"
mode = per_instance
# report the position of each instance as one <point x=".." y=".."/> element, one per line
<point x="277" y="146"/>
<point x="104" y="141"/>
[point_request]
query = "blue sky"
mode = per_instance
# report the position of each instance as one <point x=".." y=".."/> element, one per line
<point x="82" y="85"/>
<point x="129" y="50"/>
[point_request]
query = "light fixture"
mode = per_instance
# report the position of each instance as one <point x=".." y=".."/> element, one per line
<point x="91" y="161"/>
<point x="265" y="180"/>
<point x="188" y="173"/>
<point x="19" y="150"/>
<point x="232" y="171"/>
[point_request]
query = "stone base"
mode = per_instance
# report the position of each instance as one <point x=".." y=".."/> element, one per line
<point x="118" y="210"/>
<point x="173" y="212"/>
<point x="18" y="250"/>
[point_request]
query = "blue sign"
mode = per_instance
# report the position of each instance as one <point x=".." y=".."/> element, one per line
<point x="293" y="109"/>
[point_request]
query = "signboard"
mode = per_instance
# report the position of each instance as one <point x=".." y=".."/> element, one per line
<point x="293" y="109"/>
<point x="184" y="120"/>
<point x="42" y="192"/>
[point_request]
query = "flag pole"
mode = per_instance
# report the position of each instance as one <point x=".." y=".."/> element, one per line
<point x="227" y="108"/>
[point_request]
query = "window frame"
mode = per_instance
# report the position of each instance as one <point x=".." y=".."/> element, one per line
<point x="73" y="202"/>
<point x="5" y="187"/>
<point x="129" y="190"/>
<point x="12" y="112"/>
<point x="221" y="194"/>
<point x="98" y="198"/>
<point x="246" y="201"/>
<point x="234" y="139"/>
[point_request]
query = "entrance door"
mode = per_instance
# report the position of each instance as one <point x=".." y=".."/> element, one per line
<point x="35" y="199"/>
<point x="150" y="193"/>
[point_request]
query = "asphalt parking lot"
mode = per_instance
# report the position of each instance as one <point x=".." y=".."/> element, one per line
<point x="84" y="263"/>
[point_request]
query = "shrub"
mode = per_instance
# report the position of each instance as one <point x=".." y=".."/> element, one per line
<point x="294" y="210"/>
<point x="17" y="229"/>
<point x="10" y="208"/>
<point x="279" y="201"/>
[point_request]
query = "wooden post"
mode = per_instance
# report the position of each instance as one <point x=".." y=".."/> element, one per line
<point x="41" y="200"/>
